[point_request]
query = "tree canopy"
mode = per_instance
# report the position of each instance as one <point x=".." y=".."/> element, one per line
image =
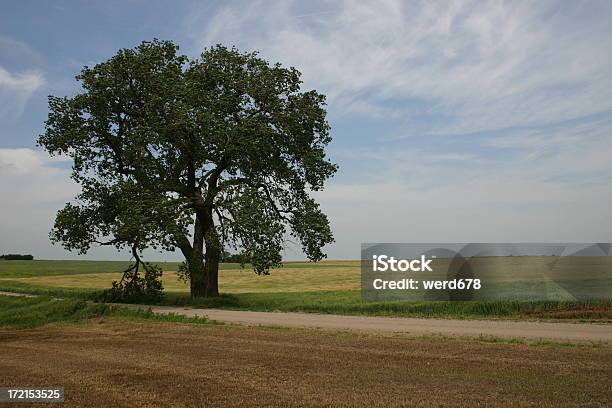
<point x="221" y="151"/>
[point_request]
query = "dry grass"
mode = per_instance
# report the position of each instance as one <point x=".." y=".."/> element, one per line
<point x="323" y="276"/>
<point x="295" y="277"/>
<point x="120" y="364"/>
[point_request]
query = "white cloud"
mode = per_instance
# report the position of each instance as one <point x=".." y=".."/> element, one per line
<point x="483" y="65"/>
<point x="20" y="161"/>
<point x="33" y="187"/>
<point x="16" y="89"/>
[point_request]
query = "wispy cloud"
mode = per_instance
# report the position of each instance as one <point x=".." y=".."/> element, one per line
<point x="483" y="65"/>
<point x="16" y="89"/>
<point x="18" y="52"/>
<point x="493" y="118"/>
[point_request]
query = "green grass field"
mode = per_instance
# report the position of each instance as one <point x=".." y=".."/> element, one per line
<point x="324" y="287"/>
<point x="21" y="312"/>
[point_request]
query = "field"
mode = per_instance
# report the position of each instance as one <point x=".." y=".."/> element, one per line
<point x="108" y="356"/>
<point x="293" y="277"/>
<point x="121" y="359"/>
<point x="324" y="287"/>
<point x="524" y="278"/>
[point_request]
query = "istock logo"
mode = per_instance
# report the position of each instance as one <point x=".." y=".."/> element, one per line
<point x="383" y="263"/>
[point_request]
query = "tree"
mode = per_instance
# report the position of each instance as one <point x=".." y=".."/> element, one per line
<point x="219" y="151"/>
<point x="239" y="258"/>
<point x="17" y="257"/>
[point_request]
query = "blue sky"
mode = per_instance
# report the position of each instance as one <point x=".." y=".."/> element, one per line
<point x="452" y="121"/>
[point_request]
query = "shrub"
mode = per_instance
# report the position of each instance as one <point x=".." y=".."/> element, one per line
<point x="134" y="287"/>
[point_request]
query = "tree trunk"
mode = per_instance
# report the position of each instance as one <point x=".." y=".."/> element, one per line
<point x="204" y="274"/>
<point x="204" y="268"/>
<point x="212" y="271"/>
<point x="197" y="277"/>
<point x="197" y="268"/>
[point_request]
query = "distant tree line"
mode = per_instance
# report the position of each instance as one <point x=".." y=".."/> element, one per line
<point x="17" y="257"/>
<point x="240" y="258"/>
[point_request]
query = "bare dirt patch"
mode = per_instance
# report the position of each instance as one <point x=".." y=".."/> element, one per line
<point x="126" y="364"/>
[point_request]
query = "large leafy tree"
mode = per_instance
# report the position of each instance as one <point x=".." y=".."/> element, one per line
<point x="222" y="151"/>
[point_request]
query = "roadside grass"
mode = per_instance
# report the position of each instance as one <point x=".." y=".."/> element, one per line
<point x="349" y="302"/>
<point x="21" y="312"/>
<point x="328" y="287"/>
<point x="31" y="312"/>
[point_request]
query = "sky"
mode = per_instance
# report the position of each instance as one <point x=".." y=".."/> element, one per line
<point x="452" y="121"/>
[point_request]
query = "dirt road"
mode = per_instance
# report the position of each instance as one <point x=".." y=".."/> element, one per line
<point x="572" y="332"/>
<point x="113" y="363"/>
<point x="413" y="326"/>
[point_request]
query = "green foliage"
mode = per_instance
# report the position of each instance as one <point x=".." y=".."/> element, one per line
<point x="196" y="155"/>
<point x="135" y="287"/>
<point x="182" y="272"/>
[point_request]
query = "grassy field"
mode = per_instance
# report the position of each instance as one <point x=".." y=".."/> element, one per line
<point x="39" y="268"/>
<point x="325" y="287"/>
<point x="292" y="277"/>
<point x="121" y="360"/>
<point x="22" y="312"/>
